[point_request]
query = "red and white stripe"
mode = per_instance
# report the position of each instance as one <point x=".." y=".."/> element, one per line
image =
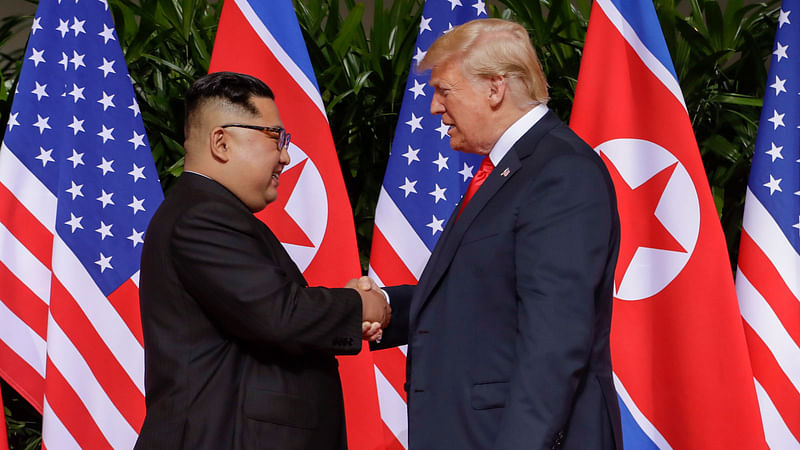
<point x="398" y="257"/>
<point x="768" y="288"/>
<point x="73" y="353"/>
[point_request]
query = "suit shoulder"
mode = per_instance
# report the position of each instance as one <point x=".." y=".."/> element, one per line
<point x="550" y="139"/>
<point x="215" y="213"/>
<point x="193" y="213"/>
<point x="565" y="141"/>
<point x="197" y="195"/>
<point x="562" y="154"/>
<point x="562" y="143"/>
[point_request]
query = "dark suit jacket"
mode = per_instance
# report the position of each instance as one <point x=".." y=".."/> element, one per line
<point x="507" y="330"/>
<point x="239" y="353"/>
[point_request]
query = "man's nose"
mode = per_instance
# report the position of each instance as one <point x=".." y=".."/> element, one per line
<point x="285" y="159"/>
<point x="437" y="107"/>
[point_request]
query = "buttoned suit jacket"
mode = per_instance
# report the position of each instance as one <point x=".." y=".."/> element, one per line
<point x="507" y="329"/>
<point x="239" y="353"/>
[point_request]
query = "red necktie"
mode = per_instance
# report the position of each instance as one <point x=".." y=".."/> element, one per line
<point x="477" y="181"/>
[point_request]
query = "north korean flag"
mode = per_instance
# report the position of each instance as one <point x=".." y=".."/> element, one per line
<point x="312" y="216"/>
<point x="681" y="366"/>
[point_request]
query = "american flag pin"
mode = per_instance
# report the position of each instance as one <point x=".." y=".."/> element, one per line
<point x="505" y="172"/>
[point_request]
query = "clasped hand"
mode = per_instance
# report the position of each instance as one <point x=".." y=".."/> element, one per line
<point x="376" y="312"/>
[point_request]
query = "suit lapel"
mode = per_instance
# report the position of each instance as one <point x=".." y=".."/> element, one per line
<point x="280" y="256"/>
<point x="446" y="247"/>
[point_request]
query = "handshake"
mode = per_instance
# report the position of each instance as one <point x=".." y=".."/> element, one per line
<point x="375" y="310"/>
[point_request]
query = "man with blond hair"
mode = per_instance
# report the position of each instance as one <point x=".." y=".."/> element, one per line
<point x="507" y="330"/>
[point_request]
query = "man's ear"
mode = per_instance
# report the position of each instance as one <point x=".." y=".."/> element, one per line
<point x="497" y="90"/>
<point x="219" y="142"/>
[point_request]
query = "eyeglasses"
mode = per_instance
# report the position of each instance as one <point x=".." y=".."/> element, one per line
<point x="283" y="137"/>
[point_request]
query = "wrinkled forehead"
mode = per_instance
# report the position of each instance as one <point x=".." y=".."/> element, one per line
<point x="451" y="74"/>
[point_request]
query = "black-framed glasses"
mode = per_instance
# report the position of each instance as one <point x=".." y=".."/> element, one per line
<point x="283" y="137"/>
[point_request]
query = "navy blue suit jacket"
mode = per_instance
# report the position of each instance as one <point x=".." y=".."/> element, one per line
<point x="507" y="330"/>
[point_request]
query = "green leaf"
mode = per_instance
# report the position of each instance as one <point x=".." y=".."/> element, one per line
<point x="3" y="92"/>
<point x="349" y="31"/>
<point x="176" y="169"/>
<point x="737" y="99"/>
<point x="719" y="198"/>
<point x="722" y="147"/>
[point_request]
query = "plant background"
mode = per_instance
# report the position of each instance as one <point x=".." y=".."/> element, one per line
<point x="362" y="53"/>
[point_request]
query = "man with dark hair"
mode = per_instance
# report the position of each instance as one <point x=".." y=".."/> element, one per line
<point x="239" y="352"/>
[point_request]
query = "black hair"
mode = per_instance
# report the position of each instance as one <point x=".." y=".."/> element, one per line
<point x="236" y="88"/>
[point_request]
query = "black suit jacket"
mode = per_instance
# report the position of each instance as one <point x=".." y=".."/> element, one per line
<point x="239" y="353"/>
<point x="507" y="330"/>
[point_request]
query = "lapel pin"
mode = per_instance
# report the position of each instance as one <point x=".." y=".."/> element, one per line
<point x="505" y="172"/>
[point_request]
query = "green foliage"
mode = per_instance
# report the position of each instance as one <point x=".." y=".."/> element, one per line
<point x="10" y="61"/>
<point x="557" y="29"/>
<point x="23" y="422"/>
<point x="23" y="434"/>
<point x="362" y="74"/>
<point x="720" y="57"/>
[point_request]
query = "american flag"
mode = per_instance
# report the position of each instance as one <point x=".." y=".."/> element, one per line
<point x="678" y="349"/>
<point x="424" y="181"/>
<point x="77" y="189"/>
<point x="768" y="277"/>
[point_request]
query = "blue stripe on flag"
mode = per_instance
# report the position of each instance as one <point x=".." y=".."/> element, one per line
<point x="642" y="17"/>
<point x="286" y="32"/>
<point x="632" y="435"/>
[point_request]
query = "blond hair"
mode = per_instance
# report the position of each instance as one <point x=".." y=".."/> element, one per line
<point x="492" y="47"/>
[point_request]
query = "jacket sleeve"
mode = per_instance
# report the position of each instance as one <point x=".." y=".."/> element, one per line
<point x="396" y="334"/>
<point x="229" y="271"/>
<point x="564" y="236"/>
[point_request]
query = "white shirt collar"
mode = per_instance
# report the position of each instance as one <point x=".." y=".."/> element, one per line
<point x="515" y="131"/>
<point x="198" y="173"/>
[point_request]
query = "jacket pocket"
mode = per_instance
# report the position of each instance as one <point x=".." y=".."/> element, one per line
<point x="469" y="238"/>
<point x="280" y="409"/>
<point x="489" y="395"/>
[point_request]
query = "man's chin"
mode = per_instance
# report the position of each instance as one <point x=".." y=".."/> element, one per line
<point x="270" y="199"/>
<point x="459" y="147"/>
